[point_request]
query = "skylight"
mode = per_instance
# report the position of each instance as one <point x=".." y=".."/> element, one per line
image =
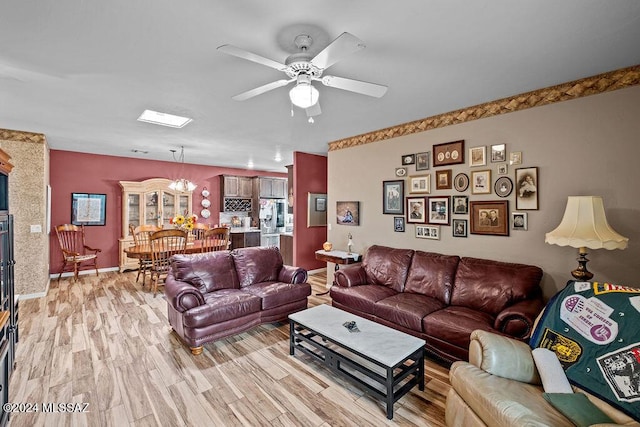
<point x="163" y="119"/>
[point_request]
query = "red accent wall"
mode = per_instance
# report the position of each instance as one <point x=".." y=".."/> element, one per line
<point x="309" y="176"/>
<point x="73" y="172"/>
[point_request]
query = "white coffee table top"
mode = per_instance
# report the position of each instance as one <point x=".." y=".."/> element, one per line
<point x="381" y="343"/>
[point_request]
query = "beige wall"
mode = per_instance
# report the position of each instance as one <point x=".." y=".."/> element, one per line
<point x="27" y="202"/>
<point x="586" y="146"/>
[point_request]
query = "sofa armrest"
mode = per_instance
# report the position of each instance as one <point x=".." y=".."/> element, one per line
<point x="290" y="274"/>
<point x="503" y="356"/>
<point x="517" y="320"/>
<point x="181" y="295"/>
<point x="350" y="276"/>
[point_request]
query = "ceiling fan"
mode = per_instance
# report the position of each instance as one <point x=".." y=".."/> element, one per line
<point x="303" y="69"/>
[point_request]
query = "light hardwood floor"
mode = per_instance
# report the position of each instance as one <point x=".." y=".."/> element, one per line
<point x="106" y="341"/>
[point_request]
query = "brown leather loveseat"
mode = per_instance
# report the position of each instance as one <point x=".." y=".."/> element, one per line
<point x="440" y="298"/>
<point x="217" y="294"/>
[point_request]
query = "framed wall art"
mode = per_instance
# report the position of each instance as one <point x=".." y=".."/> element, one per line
<point x="420" y="184"/>
<point x="416" y="211"/>
<point x="503" y="186"/>
<point x="88" y="209"/>
<point x="490" y="218"/>
<point x="422" y="161"/>
<point x="519" y="220"/>
<point x="408" y="159"/>
<point x="460" y="205"/>
<point x="348" y="213"/>
<point x="401" y="172"/>
<point x="438" y="210"/>
<point x="498" y="153"/>
<point x="443" y="179"/>
<point x="527" y="188"/>
<point x="481" y="182"/>
<point x="459" y="228"/>
<point x="477" y="156"/>
<point x="428" y="232"/>
<point x="393" y="197"/>
<point x="503" y="169"/>
<point x="461" y="182"/>
<point x="316" y="210"/>
<point x="515" y="158"/>
<point x="449" y="153"/>
<point x="398" y="224"/>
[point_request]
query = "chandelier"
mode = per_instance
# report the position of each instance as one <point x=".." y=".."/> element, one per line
<point x="181" y="184"/>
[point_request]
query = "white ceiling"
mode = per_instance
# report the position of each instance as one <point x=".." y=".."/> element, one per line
<point x="82" y="71"/>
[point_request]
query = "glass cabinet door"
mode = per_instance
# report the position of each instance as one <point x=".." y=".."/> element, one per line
<point x="151" y="207"/>
<point x="133" y="210"/>
<point x="168" y="208"/>
<point x="183" y="204"/>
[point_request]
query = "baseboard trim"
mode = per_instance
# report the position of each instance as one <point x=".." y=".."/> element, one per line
<point x="83" y="272"/>
<point x="316" y="271"/>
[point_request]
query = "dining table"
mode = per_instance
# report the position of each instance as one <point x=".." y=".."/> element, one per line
<point x="144" y="251"/>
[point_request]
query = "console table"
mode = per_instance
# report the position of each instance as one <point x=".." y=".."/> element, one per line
<point x="338" y="258"/>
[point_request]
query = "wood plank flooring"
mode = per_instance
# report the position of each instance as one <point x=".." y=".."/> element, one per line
<point x="106" y="341"/>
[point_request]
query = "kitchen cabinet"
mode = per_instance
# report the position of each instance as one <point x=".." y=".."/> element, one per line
<point x="237" y="186"/>
<point x="273" y="188"/>
<point x="245" y="239"/>
<point x="149" y="202"/>
<point x="286" y="248"/>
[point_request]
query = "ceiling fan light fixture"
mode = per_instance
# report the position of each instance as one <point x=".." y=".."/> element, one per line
<point x="303" y="94"/>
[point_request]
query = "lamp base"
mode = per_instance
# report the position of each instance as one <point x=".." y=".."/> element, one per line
<point x="581" y="273"/>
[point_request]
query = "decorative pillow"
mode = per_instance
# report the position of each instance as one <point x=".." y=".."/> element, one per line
<point x="578" y="408"/>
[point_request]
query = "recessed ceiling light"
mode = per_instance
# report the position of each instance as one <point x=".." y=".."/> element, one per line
<point x="163" y="119"/>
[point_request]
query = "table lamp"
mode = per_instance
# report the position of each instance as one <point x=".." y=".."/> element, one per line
<point x="584" y="225"/>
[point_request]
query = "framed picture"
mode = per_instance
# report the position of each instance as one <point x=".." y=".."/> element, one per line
<point x="428" y="232"/>
<point x="515" y="158"/>
<point x="503" y="169"/>
<point x="519" y="220"/>
<point x="460" y="205"/>
<point x="408" y="159"/>
<point x="348" y="213"/>
<point x="398" y="224"/>
<point x="503" y="186"/>
<point x="88" y="209"/>
<point x="393" y="197"/>
<point x="420" y="184"/>
<point x="316" y="210"/>
<point x="416" y="209"/>
<point x="401" y="172"/>
<point x="438" y="210"/>
<point x="443" y="179"/>
<point x="527" y="188"/>
<point x="489" y="218"/>
<point x="481" y="182"/>
<point x="422" y="161"/>
<point x="459" y="228"/>
<point x="477" y="156"/>
<point x="449" y="153"/>
<point x="461" y="182"/>
<point x="498" y="153"/>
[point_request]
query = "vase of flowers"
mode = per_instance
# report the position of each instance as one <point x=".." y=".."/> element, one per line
<point x="183" y="222"/>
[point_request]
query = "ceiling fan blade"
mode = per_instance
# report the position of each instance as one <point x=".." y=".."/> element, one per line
<point x="314" y="110"/>
<point x="345" y="44"/>
<point x="365" y="88"/>
<point x="241" y="53"/>
<point x="262" y="89"/>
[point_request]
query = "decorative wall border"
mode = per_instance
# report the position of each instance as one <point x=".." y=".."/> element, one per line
<point x="600" y="83"/>
<point x="21" y="136"/>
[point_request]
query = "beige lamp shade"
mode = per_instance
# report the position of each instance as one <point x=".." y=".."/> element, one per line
<point x="584" y="225"/>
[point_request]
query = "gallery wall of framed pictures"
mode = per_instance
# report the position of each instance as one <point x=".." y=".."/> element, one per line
<point x="473" y="193"/>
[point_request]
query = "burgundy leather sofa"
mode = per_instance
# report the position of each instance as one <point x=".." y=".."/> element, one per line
<point x="217" y="294"/>
<point x="440" y="298"/>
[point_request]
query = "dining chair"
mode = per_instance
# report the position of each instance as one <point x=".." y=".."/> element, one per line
<point x="165" y="244"/>
<point x="141" y="235"/>
<point x="215" y="239"/>
<point x="198" y="230"/>
<point x="75" y="252"/>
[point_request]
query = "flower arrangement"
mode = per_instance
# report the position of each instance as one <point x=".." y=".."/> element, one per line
<point x="183" y="222"/>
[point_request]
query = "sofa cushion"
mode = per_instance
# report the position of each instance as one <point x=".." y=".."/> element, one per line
<point x="407" y="310"/>
<point x="490" y="286"/>
<point x="387" y="266"/>
<point x="454" y="324"/>
<point x="257" y="264"/>
<point x="432" y="274"/>
<point x="221" y="306"/>
<point x="207" y="272"/>
<point x="361" y="298"/>
<point x="275" y="294"/>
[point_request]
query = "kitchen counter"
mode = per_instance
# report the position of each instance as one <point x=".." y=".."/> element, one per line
<point x="244" y="230"/>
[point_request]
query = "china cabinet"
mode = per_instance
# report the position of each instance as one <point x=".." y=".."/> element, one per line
<point x="149" y="202"/>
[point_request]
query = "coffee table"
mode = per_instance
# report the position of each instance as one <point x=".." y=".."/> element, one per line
<point x="386" y="362"/>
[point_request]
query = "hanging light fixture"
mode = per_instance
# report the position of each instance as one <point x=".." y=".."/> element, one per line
<point x="303" y="94"/>
<point x="181" y="184"/>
